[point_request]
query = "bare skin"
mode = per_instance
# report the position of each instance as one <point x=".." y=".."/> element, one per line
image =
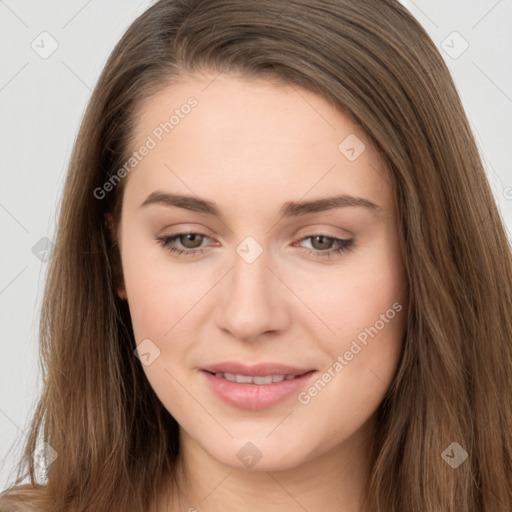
<point x="249" y="147"/>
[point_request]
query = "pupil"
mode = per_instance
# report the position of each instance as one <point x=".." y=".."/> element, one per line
<point x="191" y="238"/>
<point x="325" y="241"/>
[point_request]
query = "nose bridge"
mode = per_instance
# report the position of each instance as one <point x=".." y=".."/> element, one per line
<point x="251" y="302"/>
<point x="249" y="278"/>
<point x="250" y="284"/>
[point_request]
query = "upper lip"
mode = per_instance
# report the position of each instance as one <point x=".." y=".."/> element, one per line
<point x="256" y="370"/>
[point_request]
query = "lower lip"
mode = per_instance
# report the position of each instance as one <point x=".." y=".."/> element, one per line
<point x="253" y="396"/>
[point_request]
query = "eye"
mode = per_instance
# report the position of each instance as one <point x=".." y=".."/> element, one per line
<point x="326" y="246"/>
<point x="191" y="242"/>
<point x="322" y="245"/>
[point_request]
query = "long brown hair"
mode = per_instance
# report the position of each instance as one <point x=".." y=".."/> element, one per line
<point x="375" y="63"/>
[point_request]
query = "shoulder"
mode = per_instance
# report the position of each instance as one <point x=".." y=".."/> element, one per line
<point x="19" y="499"/>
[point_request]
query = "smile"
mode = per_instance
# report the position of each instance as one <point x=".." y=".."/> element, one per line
<point x="255" y="392"/>
<point x="250" y="379"/>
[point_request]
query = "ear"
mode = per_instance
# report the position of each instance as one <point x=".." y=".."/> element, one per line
<point x="115" y="256"/>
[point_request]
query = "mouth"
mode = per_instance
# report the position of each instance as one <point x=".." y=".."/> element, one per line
<point x="255" y="379"/>
<point x="255" y="387"/>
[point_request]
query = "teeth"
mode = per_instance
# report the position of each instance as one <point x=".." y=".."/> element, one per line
<point x="244" y="379"/>
<point x="248" y="379"/>
<point x="262" y="380"/>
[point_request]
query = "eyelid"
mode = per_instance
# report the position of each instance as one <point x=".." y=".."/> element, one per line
<point x="312" y="230"/>
<point x="184" y="227"/>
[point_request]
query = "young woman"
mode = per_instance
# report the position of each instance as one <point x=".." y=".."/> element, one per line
<point x="280" y="279"/>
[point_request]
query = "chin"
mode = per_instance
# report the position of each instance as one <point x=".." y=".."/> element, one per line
<point x="261" y="455"/>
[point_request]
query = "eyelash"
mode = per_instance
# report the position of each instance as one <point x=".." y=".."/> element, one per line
<point x="343" y="245"/>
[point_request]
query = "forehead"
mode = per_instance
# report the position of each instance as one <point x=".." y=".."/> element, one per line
<point x="242" y="140"/>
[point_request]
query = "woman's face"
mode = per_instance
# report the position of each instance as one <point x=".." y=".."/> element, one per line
<point x="299" y="300"/>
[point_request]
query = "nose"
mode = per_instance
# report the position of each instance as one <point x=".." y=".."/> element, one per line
<point x="253" y="302"/>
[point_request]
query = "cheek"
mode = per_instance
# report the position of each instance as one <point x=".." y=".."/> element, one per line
<point x="161" y="308"/>
<point x="364" y="305"/>
<point x="160" y="295"/>
<point x="354" y="295"/>
<point x="361" y="359"/>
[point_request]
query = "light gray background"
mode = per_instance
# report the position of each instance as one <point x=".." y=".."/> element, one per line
<point x="42" y="101"/>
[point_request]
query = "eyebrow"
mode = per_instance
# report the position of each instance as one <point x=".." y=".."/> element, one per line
<point x="288" y="209"/>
